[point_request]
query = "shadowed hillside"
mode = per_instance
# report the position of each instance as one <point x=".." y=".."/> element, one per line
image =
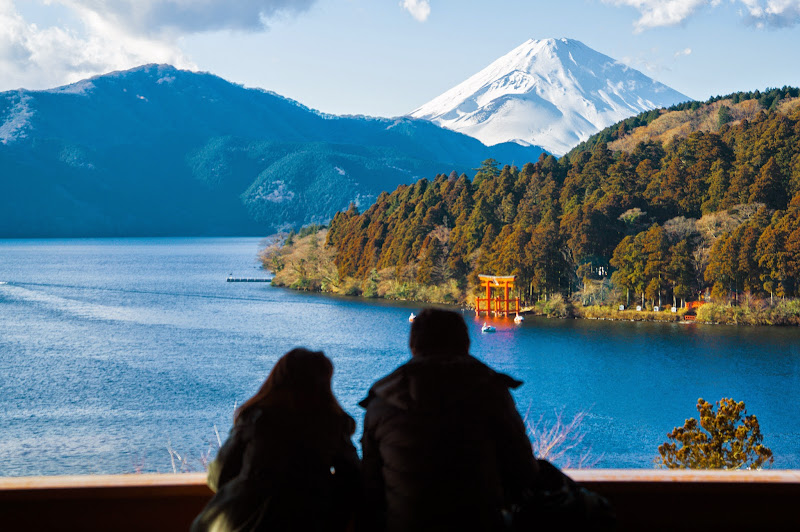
<point x="160" y="151"/>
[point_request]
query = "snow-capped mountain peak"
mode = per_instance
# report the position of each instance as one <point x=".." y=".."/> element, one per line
<point x="553" y="93"/>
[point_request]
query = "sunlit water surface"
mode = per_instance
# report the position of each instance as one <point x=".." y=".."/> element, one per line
<point x="112" y="351"/>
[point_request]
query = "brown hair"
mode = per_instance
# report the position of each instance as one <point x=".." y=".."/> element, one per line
<point x="300" y="381"/>
<point x="437" y="332"/>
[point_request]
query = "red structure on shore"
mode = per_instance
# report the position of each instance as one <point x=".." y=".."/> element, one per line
<point x="691" y="307"/>
<point x="499" y="306"/>
<point x="694" y="305"/>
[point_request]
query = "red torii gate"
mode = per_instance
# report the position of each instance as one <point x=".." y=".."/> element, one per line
<point x="501" y="306"/>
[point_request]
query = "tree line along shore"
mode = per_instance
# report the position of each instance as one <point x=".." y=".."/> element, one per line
<point x="700" y="202"/>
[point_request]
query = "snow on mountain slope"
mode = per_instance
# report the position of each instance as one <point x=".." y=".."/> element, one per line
<point x="17" y="119"/>
<point x="553" y="93"/>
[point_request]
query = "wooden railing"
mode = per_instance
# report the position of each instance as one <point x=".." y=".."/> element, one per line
<point x="692" y="500"/>
<point x="146" y="503"/>
<point x="643" y="499"/>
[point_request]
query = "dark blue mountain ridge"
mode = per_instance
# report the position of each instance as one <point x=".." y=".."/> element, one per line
<point x="160" y="151"/>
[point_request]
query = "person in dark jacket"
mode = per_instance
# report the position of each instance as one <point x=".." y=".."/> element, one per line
<point x="444" y="447"/>
<point x="289" y="463"/>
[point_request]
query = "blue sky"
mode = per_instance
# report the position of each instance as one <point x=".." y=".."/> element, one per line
<point x="387" y="57"/>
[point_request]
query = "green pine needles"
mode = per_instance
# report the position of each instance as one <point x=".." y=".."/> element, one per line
<point x="725" y="439"/>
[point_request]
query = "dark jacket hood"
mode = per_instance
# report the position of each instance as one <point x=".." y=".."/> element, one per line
<point x="435" y="382"/>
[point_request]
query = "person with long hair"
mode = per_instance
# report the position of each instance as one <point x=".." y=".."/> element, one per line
<point x="289" y="463"/>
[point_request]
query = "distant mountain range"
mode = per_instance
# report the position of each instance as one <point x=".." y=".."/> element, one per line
<point x="161" y="151"/>
<point x="553" y="93"/>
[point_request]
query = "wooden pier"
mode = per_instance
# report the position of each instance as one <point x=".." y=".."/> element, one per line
<point x="249" y="279"/>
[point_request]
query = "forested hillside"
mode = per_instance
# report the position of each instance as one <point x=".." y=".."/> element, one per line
<point x="716" y="208"/>
<point x="160" y="151"/>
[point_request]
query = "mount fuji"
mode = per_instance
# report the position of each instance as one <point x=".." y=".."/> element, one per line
<point x="553" y="93"/>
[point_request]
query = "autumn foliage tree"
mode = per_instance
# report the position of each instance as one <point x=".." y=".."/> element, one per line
<point x="553" y="221"/>
<point x="725" y="439"/>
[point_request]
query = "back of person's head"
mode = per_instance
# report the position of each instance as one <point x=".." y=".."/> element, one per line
<point x="300" y="380"/>
<point x="436" y="332"/>
<point x="302" y="370"/>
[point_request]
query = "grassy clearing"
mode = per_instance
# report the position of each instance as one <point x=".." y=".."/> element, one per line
<point x="752" y="312"/>
<point x="748" y="312"/>
<point x="554" y="307"/>
<point x="682" y="123"/>
<point x="604" y="312"/>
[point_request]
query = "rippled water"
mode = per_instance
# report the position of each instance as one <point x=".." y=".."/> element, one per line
<point x="113" y="350"/>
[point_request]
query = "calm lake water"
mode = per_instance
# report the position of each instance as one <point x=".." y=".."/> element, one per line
<point x="114" y="350"/>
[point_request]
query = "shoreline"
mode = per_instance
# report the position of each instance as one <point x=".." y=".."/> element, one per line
<point x="784" y="313"/>
<point x="308" y="265"/>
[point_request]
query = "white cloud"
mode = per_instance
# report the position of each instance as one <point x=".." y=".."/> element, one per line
<point x="419" y="9"/>
<point x="773" y="13"/>
<point x="34" y="57"/>
<point x="656" y="13"/>
<point x="118" y="34"/>
<point x="685" y="51"/>
<point x="762" y="13"/>
<point x="189" y="16"/>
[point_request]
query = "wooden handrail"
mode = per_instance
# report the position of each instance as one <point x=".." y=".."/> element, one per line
<point x="81" y="482"/>
<point x="775" y="476"/>
<point x="643" y="499"/>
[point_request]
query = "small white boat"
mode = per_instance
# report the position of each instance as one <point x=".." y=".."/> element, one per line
<point x="518" y="319"/>
<point x="488" y="328"/>
<point x="411" y="318"/>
